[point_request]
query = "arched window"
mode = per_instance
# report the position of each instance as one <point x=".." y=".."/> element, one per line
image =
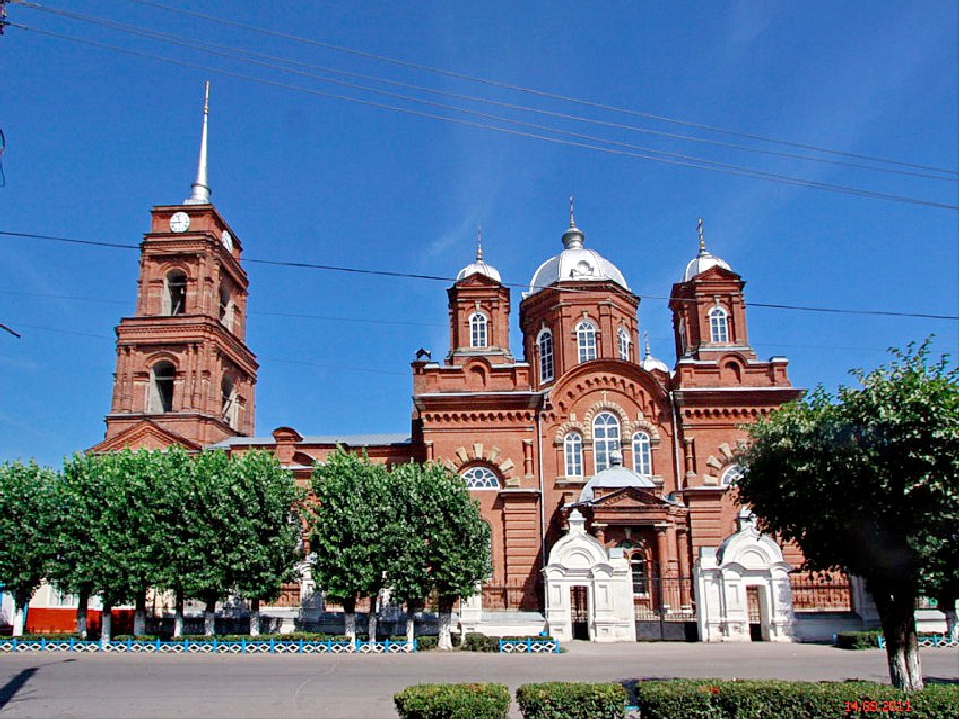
<point x="606" y="439"/>
<point x="226" y="307"/>
<point x="228" y="395"/>
<point x="639" y="574"/>
<point x="573" y="455"/>
<point x="623" y="344"/>
<point x="586" y="341"/>
<point x="641" y="453"/>
<point x="731" y="475"/>
<point x="480" y="478"/>
<point x="545" y="347"/>
<point x="161" y="387"/>
<point x="478" y="330"/>
<point x="175" y="293"/>
<point x="718" y="324"/>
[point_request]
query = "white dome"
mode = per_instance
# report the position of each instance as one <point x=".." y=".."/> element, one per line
<point x="575" y="263"/>
<point x="479" y="267"/>
<point x="701" y="263"/>
<point x="649" y="362"/>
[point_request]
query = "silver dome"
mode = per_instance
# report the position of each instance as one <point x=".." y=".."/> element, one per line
<point x="575" y="263"/>
<point x="479" y="267"/>
<point x="615" y="476"/>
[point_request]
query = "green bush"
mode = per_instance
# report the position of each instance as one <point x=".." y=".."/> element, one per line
<point x="478" y="642"/>
<point x="137" y="638"/>
<point x="444" y="700"/>
<point x="53" y="636"/>
<point x="775" y="698"/>
<point x="858" y="639"/>
<point x="427" y="642"/>
<point x="288" y="637"/>
<point x="571" y="700"/>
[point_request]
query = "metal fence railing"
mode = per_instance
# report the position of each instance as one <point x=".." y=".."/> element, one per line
<point x="829" y="593"/>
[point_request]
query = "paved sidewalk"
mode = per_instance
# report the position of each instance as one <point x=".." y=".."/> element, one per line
<point x="362" y="686"/>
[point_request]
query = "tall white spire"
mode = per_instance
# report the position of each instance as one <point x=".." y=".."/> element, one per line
<point x="201" y="191"/>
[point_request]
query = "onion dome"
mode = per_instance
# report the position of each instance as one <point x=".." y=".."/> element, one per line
<point x="575" y="263"/>
<point x="704" y="260"/>
<point x="478" y="265"/>
<point x="615" y="476"/>
<point x="649" y="362"/>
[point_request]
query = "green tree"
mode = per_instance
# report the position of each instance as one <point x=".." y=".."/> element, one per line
<point x="456" y="539"/>
<point x="267" y="529"/>
<point x="28" y="516"/>
<point x="351" y="502"/>
<point x="866" y="482"/>
<point x="111" y="529"/>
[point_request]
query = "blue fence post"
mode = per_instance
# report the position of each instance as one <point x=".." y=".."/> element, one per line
<point x="100" y="644"/>
<point x="43" y="644"/>
<point x="301" y="646"/>
<point x="500" y="644"/>
<point x="414" y="644"/>
<point x="157" y="645"/>
<point x="272" y="645"/>
<point x="72" y="641"/>
<point x="386" y="646"/>
<point x="186" y="645"/>
<point x="15" y="644"/>
<point x="529" y="645"/>
<point x="214" y="645"/>
<point x="243" y="646"/>
<point x="329" y="647"/>
<point x="129" y="645"/>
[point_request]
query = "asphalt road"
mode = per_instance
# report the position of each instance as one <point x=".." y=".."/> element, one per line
<point x="362" y="686"/>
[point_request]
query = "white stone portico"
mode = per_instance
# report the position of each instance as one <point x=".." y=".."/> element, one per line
<point x="578" y="560"/>
<point x="744" y="582"/>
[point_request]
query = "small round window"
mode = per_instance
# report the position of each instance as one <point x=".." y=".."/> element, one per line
<point x="731" y="475"/>
<point x="480" y="478"/>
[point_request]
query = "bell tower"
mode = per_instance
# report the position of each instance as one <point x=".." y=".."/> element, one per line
<point x="184" y="372"/>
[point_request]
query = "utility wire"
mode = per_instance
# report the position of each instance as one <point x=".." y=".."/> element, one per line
<point x="531" y="91"/>
<point x="532" y="288"/>
<point x="277" y="63"/>
<point x="698" y="164"/>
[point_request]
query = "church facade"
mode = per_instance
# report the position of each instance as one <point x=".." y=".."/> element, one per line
<point x="586" y="441"/>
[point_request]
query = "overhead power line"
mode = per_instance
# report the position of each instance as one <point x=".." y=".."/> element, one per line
<point x="443" y="278"/>
<point x="286" y="65"/>
<point x="526" y="90"/>
<point x="661" y="157"/>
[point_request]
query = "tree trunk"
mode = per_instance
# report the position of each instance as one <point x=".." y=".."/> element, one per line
<point x="83" y="601"/>
<point x="254" y="617"/>
<point x="210" y="615"/>
<point x="178" y="615"/>
<point x="951" y="624"/>
<point x="411" y="636"/>
<point x="350" y="618"/>
<point x="20" y="602"/>
<point x="140" y="615"/>
<point x="106" y="618"/>
<point x="446" y="608"/>
<point x="372" y="624"/>
<point x="895" y="606"/>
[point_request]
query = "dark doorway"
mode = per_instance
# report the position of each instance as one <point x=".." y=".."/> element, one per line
<point x="579" y="612"/>
<point x="753" y="613"/>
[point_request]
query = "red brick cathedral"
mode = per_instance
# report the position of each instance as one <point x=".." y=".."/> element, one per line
<point x="586" y="441"/>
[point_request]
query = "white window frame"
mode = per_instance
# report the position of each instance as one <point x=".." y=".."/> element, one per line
<point x="478" y="329"/>
<point x="586" y="341"/>
<point x="730" y="475"/>
<point x="606" y="439"/>
<point x="719" y="327"/>
<point x="573" y="455"/>
<point x="642" y="456"/>
<point x="623" y="344"/>
<point x="480" y="477"/>
<point x="545" y="350"/>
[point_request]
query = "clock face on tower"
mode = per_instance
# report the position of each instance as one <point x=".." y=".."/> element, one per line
<point x="180" y="222"/>
<point x="227" y="239"/>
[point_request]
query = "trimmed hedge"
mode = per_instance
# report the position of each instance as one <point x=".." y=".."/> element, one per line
<point x="858" y="639"/>
<point x="53" y="636"/>
<point x="775" y="698"/>
<point x="478" y="642"/>
<point x="136" y="638"/>
<point x="571" y="700"/>
<point x="445" y="700"/>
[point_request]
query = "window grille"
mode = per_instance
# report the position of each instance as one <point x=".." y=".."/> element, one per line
<point x="480" y="478"/>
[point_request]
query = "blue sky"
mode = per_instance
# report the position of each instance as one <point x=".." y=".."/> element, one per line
<point x="96" y="137"/>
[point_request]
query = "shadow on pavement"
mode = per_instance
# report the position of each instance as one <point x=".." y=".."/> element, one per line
<point x="13" y="687"/>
